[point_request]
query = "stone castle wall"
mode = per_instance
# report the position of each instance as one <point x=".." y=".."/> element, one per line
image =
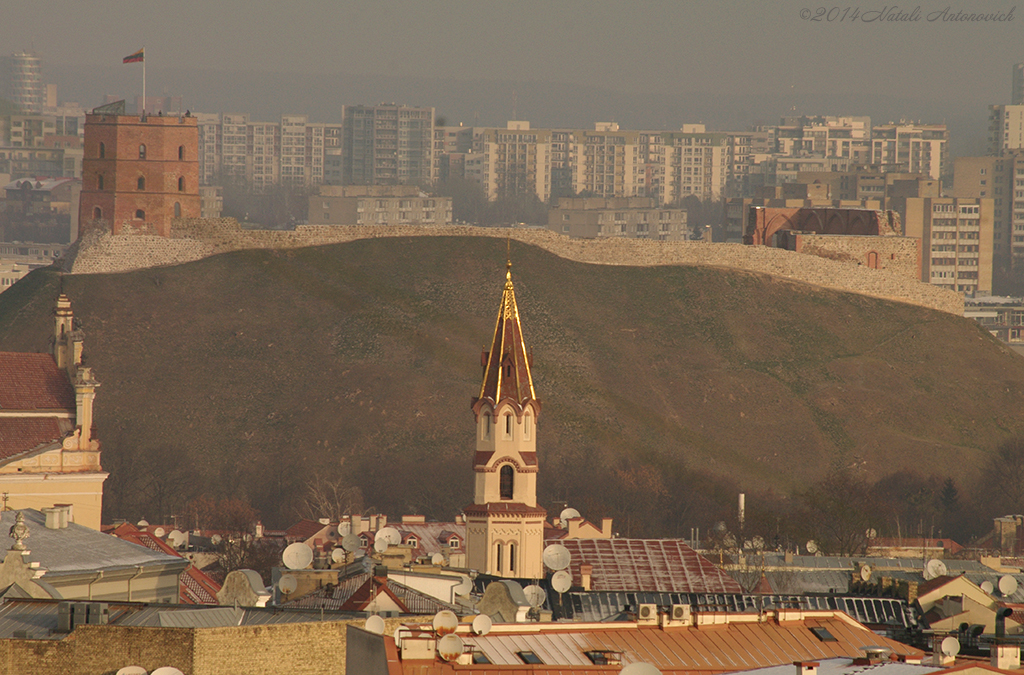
<point x="194" y="239"/>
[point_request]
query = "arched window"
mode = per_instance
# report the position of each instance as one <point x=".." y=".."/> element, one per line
<point x="181" y="183"/>
<point x="103" y="150"/>
<point x="511" y="557"/>
<point x="527" y="430"/>
<point x="142" y="182"/>
<point x="140" y="214"/>
<point x="506" y="482"/>
<point x="508" y="427"/>
<point x="142" y="151"/>
<point x="412" y="541"/>
<point x="181" y="152"/>
<point x="485" y="428"/>
<point x="177" y="210"/>
<point x="498" y="551"/>
<point x="99" y="182"/>
<point x="97" y="212"/>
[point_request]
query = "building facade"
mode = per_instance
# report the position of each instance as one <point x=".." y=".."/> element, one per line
<point x="956" y="236"/>
<point x="27" y="90"/>
<point x="378" y="205"/>
<point x="631" y="217"/>
<point x="1005" y="128"/>
<point x="387" y="145"/>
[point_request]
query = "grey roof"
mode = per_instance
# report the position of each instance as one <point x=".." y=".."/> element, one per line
<point x="214" y="617"/>
<point x="77" y="549"/>
<point x="846" y="667"/>
<point x="772" y="559"/>
<point x="417" y="601"/>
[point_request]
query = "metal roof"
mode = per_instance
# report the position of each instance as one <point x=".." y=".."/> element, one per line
<point x="846" y="666"/>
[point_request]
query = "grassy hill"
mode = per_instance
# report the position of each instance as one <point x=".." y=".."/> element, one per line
<point x="253" y="373"/>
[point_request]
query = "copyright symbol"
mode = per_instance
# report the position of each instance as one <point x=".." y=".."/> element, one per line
<point x="805" y="14"/>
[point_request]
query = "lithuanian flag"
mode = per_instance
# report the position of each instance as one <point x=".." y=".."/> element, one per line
<point x="136" y="57"/>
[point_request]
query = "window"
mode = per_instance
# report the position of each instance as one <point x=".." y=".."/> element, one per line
<point x="486" y="428"/>
<point x="506" y="481"/>
<point x="822" y="634"/>
<point x="177" y="209"/>
<point x="478" y="657"/>
<point x="499" y="550"/>
<point x="142" y="151"/>
<point x="99" y="182"/>
<point x="529" y="658"/>
<point x="508" y="427"/>
<point x="103" y="150"/>
<point x="181" y="152"/>
<point x="142" y="182"/>
<point x="413" y="542"/>
<point x="526" y="426"/>
<point x="140" y="214"/>
<point x="97" y="212"/>
<point x="181" y="183"/>
<point x="511" y="557"/>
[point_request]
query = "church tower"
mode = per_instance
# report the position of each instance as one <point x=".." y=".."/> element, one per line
<point x="504" y="525"/>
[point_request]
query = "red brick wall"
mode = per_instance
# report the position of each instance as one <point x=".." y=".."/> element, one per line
<point x="121" y="167"/>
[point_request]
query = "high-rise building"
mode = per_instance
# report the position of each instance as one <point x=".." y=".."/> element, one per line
<point x="512" y="161"/>
<point x="994" y="178"/>
<point x="1017" y="97"/>
<point x="956" y="236"/>
<point x="911" y="148"/>
<point x="1005" y="128"/>
<point x="387" y="145"/>
<point x="27" y="90"/>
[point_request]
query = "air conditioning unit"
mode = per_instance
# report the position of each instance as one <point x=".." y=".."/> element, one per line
<point x="680" y="615"/>
<point x="647" y="614"/>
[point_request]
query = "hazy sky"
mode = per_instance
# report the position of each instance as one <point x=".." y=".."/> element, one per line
<point x="746" y="51"/>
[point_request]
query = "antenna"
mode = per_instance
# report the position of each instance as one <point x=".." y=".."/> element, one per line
<point x="567" y="513"/>
<point x="132" y="670"/>
<point x="389" y="534"/>
<point x="950" y="646"/>
<point x="287" y="584"/>
<point x="338" y="555"/>
<point x="1007" y="585"/>
<point x="464" y="586"/>
<point x="482" y="624"/>
<point x="400" y="634"/>
<point x="216" y="539"/>
<point x="445" y="622"/>
<point x="381" y="544"/>
<point x="561" y="581"/>
<point x="351" y="543"/>
<point x="177" y="538"/>
<point x="437" y="559"/>
<point x="297" y="556"/>
<point x="934" y="569"/>
<point x="159" y="533"/>
<point x="450" y="647"/>
<point x="374" y="625"/>
<point x="557" y="557"/>
<point x="865" y="572"/>
<point x="535" y="595"/>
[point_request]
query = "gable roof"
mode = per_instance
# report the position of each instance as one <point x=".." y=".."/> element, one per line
<point x="33" y="382"/>
<point x="356" y="592"/>
<point x="195" y="587"/>
<point x="19" y="435"/>
<point x="657" y="565"/>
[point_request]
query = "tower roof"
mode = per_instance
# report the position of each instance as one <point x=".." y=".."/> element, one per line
<point x="507" y="364"/>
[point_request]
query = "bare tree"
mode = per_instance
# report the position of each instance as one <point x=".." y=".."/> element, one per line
<point x="330" y="499"/>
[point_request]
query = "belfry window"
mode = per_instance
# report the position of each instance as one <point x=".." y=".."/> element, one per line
<point x="181" y="152"/>
<point x="103" y="150"/>
<point x="508" y="427"/>
<point x="181" y="184"/>
<point x="511" y="557"/>
<point x="140" y="214"/>
<point x="142" y="151"/>
<point x="99" y="182"/>
<point x="526" y="426"/>
<point x="142" y="182"/>
<point x="97" y="212"/>
<point x="177" y="209"/>
<point x="506" y="481"/>
<point x="485" y="429"/>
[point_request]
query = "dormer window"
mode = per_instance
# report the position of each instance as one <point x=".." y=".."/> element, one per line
<point x="412" y="541"/>
<point x="454" y="542"/>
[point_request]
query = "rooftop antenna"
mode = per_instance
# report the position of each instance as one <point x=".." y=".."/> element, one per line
<point x="450" y="647"/>
<point x="557" y="557"/>
<point x="375" y="625"/>
<point x="934" y="568"/>
<point x="535" y="595"/>
<point x="445" y="622"/>
<point x="561" y="581"/>
<point x="482" y="624"/>
<point x="1007" y="585"/>
<point x="297" y="556"/>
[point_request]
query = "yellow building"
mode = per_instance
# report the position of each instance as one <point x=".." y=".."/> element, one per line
<point x="956" y="240"/>
<point x="48" y="452"/>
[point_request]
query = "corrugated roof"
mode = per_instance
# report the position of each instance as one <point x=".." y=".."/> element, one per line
<point x="657" y="565"/>
<point x="846" y="666"/>
<point x="213" y="617"/>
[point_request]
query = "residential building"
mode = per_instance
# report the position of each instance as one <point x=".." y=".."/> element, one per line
<point x="302" y="151"/>
<point x="1005" y="128"/>
<point x="631" y="217"/>
<point x="387" y="145"/>
<point x="604" y="162"/>
<point x="36" y="162"/>
<point x="27" y="90"/>
<point x="1017" y="93"/>
<point x="957" y="236"/>
<point x="1001" y="179"/>
<point x="211" y="201"/>
<point x="914" y="148"/>
<point x="19" y="258"/>
<point x="695" y="165"/>
<point x="41" y="210"/>
<point x="378" y="205"/>
<point x="138" y="172"/>
<point x="512" y="161"/>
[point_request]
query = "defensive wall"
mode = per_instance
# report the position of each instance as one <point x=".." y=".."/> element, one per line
<point x="194" y="239"/>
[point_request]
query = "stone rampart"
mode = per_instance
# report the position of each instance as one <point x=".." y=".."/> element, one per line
<point x="195" y="239"/>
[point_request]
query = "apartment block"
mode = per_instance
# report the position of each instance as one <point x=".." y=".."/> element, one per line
<point x="387" y="145"/>
<point x="378" y="205"/>
<point x="630" y="217"/>
<point x="956" y="236"/>
<point x="512" y="161"/>
<point x="1005" y="128"/>
<point x="994" y="177"/>
<point x="696" y="163"/>
<point x="1017" y="94"/>
<point x="913" y="148"/>
<point x="26" y="88"/>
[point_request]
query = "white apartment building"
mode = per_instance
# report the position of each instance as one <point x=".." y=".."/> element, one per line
<point x="1005" y="128"/>
<point x="956" y="237"/>
<point x="911" y="148"/>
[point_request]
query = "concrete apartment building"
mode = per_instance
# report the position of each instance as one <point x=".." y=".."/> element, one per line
<point x="378" y="205"/>
<point x="630" y="217"/>
<point x="1005" y="128"/>
<point x="1000" y="178"/>
<point x="387" y="145"/>
<point x="696" y="163"/>
<point x="956" y="236"/>
<point x="512" y="161"/>
<point x="1017" y="94"/>
<point x="26" y="89"/>
<point x="914" y="148"/>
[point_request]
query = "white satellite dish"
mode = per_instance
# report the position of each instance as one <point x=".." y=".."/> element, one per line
<point x="132" y="670"/>
<point x="374" y="625"/>
<point x="811" y="546"/>
<point x="344" y="528"/>
<point x="167" y="670"/>
<point x="865" y="572"/>
<point x="390" y="534"/>
<point x="557" y="557"/>
<point x="445" y="622"/>
<point x="481" y="624"/>
<point x="177" y="538"/>
<point x="450" y="647"/>
<point x="640" y="668"/>
<point x="561" y="581"/>
<point x="988" y="587"/>
<point x="950" y="646"/>
<point x="934" y="569"/>
<point x="142" y="523"/>
<point x="464" y="586"/>
<point x="535" y="595"/>
<point x="1007" y="585"/>
<point x="568" y="514"/>
<point x="338" y="555"/>
<point x="297" y="556"/>
<point x="871" y="533"/>
<point x="381" y="544"/>
<point x="350" y="542"/>
<point x="757" y="543"/>
<point x="159" y="533"/>
<point x="400" y="634"/>
<point x="288" y="584"/>
<point x="216" y="539"/>
<point x="437" y="559"/>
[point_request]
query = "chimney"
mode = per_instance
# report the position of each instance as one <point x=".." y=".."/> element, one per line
<point x="259" y="529"/>
<point x="585" y="571"/>
<point x="66" y="515"/>
<point x="806" y="667"/>
<point x="1005" y="656"/>
<point x="52" y="518"/>
<point x="742" y="510"/>
<point x="606" y="528"/>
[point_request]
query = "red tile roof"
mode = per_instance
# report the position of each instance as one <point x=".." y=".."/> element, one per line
<point x="304" y="529"/>
<point x="655" y="565"/>
<point x="22" y="434"/>
<point x="33" y="382"/>
<point x="195" y="586"/>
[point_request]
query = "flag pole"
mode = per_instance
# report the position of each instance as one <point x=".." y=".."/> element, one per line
<point x="143" y="81"/>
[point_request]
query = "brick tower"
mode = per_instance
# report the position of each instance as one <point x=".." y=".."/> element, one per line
<point x="138" y="173"/>
<point x="504" y="525"/>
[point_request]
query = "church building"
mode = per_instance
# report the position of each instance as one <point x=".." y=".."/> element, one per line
<point x="504" y="524"/>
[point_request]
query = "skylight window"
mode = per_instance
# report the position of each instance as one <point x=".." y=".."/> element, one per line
<point x="822" y="634"/>
<point x="530" y="658"/>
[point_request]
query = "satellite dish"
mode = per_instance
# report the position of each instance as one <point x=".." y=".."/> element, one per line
<point x="1007" y="585"/>
<point x="381" y="544"/>
<point x="132" y="670"/>
<point x="216" y="539"/>
<point x="437" y="559"/>
<point x="142" y="523"/>
<point x="389" y="534"/>
<point x="747" y="545"/>
<point x="338" y="555"/>
<point x="557" y="557"/>
<point x="535" y="595"/>
<point x="464" y="586"/>
<point x="811" y="546"/>
<point x="450" y="647"/>
<point x="177" y="538"/>
<point x="568" y="514"/>
<point x="481" y="624"/>
<point x="374" y="625"/>
<point x="934" y="569"/>
<point x="950" y="646"/>
<point x="988" y="587"/>
<point x="561" y="581"/>
<point x="758" y="543"/>
<point x="297" y="556"/>
<point x="350" y="542"/>
<point x="167" y="670"/>
<point x="344" y="528"/>
<point x="871" y="533"/>
<point x="445" y="622"/>
<point x="865" y="572"/>
<point x="639" y="668"/>
<point x="400" y="634"/>
<point x="159" y="533"/>
<point x="287" y="584"/>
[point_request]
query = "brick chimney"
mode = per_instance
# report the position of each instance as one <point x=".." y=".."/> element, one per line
<point x="586" y="570"/>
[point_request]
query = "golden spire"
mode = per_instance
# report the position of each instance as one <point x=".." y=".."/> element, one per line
<point x="507" y="364"/>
